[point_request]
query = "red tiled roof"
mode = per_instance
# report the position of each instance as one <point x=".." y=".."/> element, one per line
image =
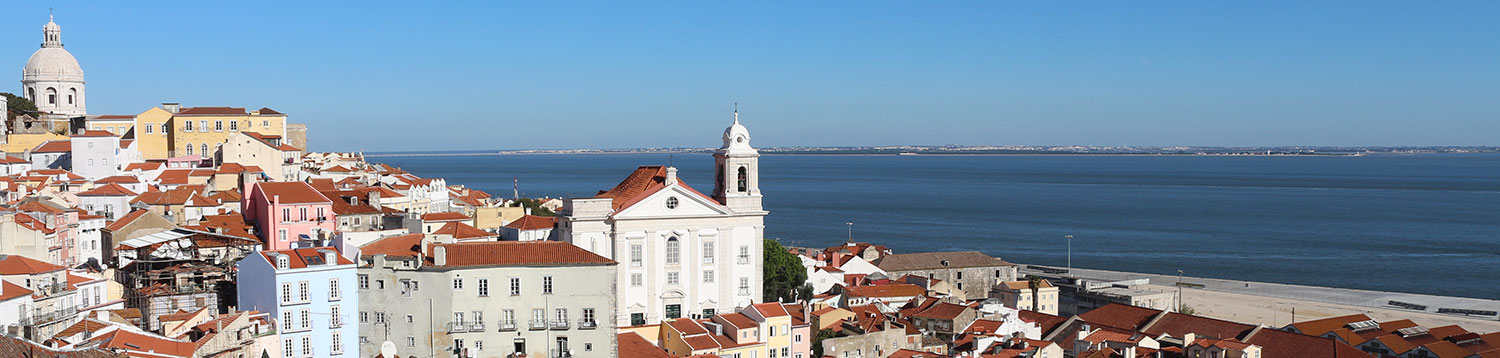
<point x="533" y="222"/>
<point x="738" y="320"/>
<point x="5" y="159"/>
<point x="403" y="246"/>
<point x="943" y="310"/>
<point x="631" y="345"/>
<point x="121" y="179"/>
<point x="143" y="166"/>
<point x="688" y="327"/>
<point x="514" y="253"/>
<point x="267" y="111"/>
<point x="174" y="176"/>
<point x="295" y="192"/>
<point x="1119" y="316"/>
<point x="110" y="189"/>
<point x="641" y="183"/>
<point x="770" y="309"/>
<point x="127" y="340"/>
<point x="12" y="290"/>
<point x="1178" y="325"/>
<point x="94" y="133"/>
<point x="22" y="265"/>
<point x="299" y="258"/>
<point x="445" y="216"/>
<point x="125" y="143"/>
<point x="125" y="220"/>
<point x="54" y="146"/>
<point x="1046" y="321"/>
<point x="114" y="116"/>
<point x="321" y="184"/>
<point x="889" y="290"/>
<point x="212" y="111"/>
<point x="461" y="231"/>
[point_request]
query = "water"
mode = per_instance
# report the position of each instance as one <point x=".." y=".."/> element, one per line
<point x="1421" y="224"/>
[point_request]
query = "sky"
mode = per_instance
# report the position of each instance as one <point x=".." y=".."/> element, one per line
<point x="408" y="76"/>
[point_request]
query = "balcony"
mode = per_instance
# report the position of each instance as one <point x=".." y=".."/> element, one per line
<point x="559" y="325"/>
<point x="49" y="317"/>
<point x="743" y="260"/>
<point x="559" y="353"/>
<point x="457" y="327"/>
<point x="538" y="324"/>
<point x="476" y="326"/>
<point x="587" y="324"/>
<point x="507" y="326"/>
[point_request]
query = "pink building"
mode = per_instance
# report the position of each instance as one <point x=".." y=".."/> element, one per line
<point x="289" y="215"/>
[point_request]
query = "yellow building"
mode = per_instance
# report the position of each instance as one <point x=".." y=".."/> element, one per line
<point x="171" y="131"/>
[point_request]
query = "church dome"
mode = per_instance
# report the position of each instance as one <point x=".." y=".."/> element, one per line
<point x="53" y="63"/>
<point x="737" y="138"/>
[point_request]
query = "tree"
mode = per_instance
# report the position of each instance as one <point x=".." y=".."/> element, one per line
<point x="805" y="292"/>
<point x="817" y="343"/>
<point x="1035" y="283"/>
<point x="17" y="105"/>
<point x="535" y="206"/>
<point x="783" y="273"/>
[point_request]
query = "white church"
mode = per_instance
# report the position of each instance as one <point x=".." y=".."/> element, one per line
<point x="52" y="78"/>
<point x="681" y="253"/>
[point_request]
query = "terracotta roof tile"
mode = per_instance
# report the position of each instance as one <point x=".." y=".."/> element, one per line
<point x="641" y="183"/>
<point x="462" y="231"/>
<point x="94" y="133"/>
<point x="195" y="111"/>
<point x="533" y="222"/>
<point x="888" y="290"/>
<point x="301" y="258"/>
<point x="125" y="220"/>
<point x="770" y="309"/>
<point x="937" y="260"/>
<point x="118" y="179"/>
<point x="446" y="216"/>
<point x="110" y="189"/>
<point x="631" y="345"/>
<point x="738" y="320"/>
<point x="513" y="253"/>
<point x="291" y="192"/>
<point x="1119" y="316"/>
<point x="409" y="245"/>
<point x="54" y="146"/>
<point x="143" y="166"/>
<point x="943" y="310"/>
<point x="22" y="265"/>
<point x="12" y="290"/>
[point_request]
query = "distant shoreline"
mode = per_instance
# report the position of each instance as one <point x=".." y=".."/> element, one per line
<point x="938" y="154"/>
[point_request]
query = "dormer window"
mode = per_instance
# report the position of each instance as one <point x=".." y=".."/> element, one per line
<point x="282" y="262"/>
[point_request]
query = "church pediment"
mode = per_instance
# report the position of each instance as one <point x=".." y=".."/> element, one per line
<point x="671" y="201"/>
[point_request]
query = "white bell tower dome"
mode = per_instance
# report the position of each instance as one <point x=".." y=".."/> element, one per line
<point x="52" y="78"/>
<point x="738" y="170"/>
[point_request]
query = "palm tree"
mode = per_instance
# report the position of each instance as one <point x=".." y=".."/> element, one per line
<point x="1035" y="283"/>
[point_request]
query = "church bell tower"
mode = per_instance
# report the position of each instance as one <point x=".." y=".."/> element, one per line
<point x="738" y="167"/>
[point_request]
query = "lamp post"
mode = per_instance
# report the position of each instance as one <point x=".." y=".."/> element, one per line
<point x="851" y="231"/>
<point x="1179" y="292"/>
<point x="1070" y="254"/>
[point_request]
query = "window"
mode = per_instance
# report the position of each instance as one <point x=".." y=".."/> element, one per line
<point x="234" y="126"/>
<point x="411" y="341"/>
<point x="672" y="251"/>
<point x="588" y="315"/>
<point x="364" y="317"/>
<point x="547" y="285"/>
<point x="379" y="317"/>
<point x="797" y="338"/>
<point x="218" y="126"/>
<point x="478" y="345"/>
<point x="672" y="278"/>
<point x="336" y="345"/>
<point x="187" y="126"/>
<point x="637" y="319"/>
<point x="286" y="320"/>
<point x="635" y="279"/>
<point x="743" y="182"/>
<point x="562" y="314"/>
<point x="282" y="262"/>
<point x="744" y="286"/>
<point x="458" y="318"/>
<point x="635" y="255"/>
<point x="303" y="291"/>
<point x="286" y="347"/>
<point x="306" y="345"/>
<point x="458" y="283"/>
<point x="265" y="123"/>
<point x="708" y="276"/>
<point x="335" y="320"/>
<point x="303" y="212"/>
<point x="672" y="203"/>
<point x="380" y="284"/>
<point x="674" y="311"/>
<point x="708" y="312"/>
<point x="333" y="290"/>
<point x="286" y="290"/>
<point x="708" y="252"/>
<point x="189" y="149"/>
<point x="484" y="287"/>
<point x="960" y="275"/>
<point x="202" y="125"/>
<point x="320" y="214"/>
<point x="508" y="316"/>
<point x="744" y="257"/>
<point x="773" y="330"/>
<point x="364" y="282"/>
<point x="148" y="128"/>
<point x="410" y="319"/>
<point x="515" y="286"/>
<point x="306" y="318"/>
<point x="164" y="128"/>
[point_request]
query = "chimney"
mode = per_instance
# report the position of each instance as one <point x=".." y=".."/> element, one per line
<point x="173" y="107"/>
<point x="439" y="255"/>
<point x="1129" y="351"/>
<point x="1083" y="332"/>
<point x="1187" y="339"/>
<point x="528" y="211"/>
<point x="671" y="176"/>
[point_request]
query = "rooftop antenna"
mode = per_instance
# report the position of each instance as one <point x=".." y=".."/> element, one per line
<point x="670" y="157"/>
<point x="736" y="112"/>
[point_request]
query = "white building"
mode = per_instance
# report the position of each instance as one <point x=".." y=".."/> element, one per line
<point x="681" y="253"/>
<point x="96" y="154"/>
<point x="52" y="78"/>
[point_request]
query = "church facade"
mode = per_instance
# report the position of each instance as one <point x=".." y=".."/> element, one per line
<point x="681" y="253"/>
<point x="52" y="79"/>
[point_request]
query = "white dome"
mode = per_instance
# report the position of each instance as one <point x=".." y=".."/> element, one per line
<point x="52" y="63"/>
<point x="737" y="138"/>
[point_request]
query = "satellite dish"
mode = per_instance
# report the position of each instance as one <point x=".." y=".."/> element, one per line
<point x="388" y="349"/>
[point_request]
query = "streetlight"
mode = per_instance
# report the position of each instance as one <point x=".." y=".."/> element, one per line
<point x="1179" y="292"/>
<point x="1070" y="254"/>
<point x="851" y="231"/>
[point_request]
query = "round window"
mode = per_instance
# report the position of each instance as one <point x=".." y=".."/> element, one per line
<point x="672" y="203"/>
<point x="739" y="139"/>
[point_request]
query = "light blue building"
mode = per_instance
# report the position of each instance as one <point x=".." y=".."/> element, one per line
<point x="310" y="293"/>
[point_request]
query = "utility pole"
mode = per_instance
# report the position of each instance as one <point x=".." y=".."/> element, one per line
<point x="1179" y="292"/>
<point x="851" y="231"/>
<point x="1070" y="255"/>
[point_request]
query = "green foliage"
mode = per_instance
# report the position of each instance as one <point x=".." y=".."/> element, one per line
<point x="784" y="273"/>
<point x="535" y="206"/>
<point x="17" y="105"/>
<point x="805" y="292"/>
<point x="1035" y="284"/>
<point x="1187" y="310"/>
<point x="817" y="343"/>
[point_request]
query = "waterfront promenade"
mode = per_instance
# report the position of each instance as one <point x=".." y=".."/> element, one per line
<point x="1272" y="304"/>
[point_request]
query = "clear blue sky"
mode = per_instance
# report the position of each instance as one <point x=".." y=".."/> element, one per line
<point x="426" y="76"/>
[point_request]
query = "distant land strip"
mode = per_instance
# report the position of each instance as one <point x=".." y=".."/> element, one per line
<point x="990" y="150"/>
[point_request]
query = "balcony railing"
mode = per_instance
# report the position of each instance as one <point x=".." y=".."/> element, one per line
<point x="456" y="327"/>
<point x="506" y="326"/>
<point x="559" y="324"/>
<point x="538" y="324"/>
<point x="561" y="353"/>
<point x="743" y="260"/>
<point x="476" y="326"/>
<point x="49" y="317"/>
<point x="587" y="324"/>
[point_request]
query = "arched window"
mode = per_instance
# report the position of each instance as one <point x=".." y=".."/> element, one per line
<point x="744" y="183"/>
<point x="165" y="128"/>
<point x="204" y="148"/>
<point x="31" y="94"/>
<point x="672" y="250"/>
<point x="189" y="149"/>
<point x="72" y="92"/>
<point x="51" y="95"/>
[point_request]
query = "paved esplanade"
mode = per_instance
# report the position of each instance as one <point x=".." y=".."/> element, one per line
<point x="1365" y="298"/>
